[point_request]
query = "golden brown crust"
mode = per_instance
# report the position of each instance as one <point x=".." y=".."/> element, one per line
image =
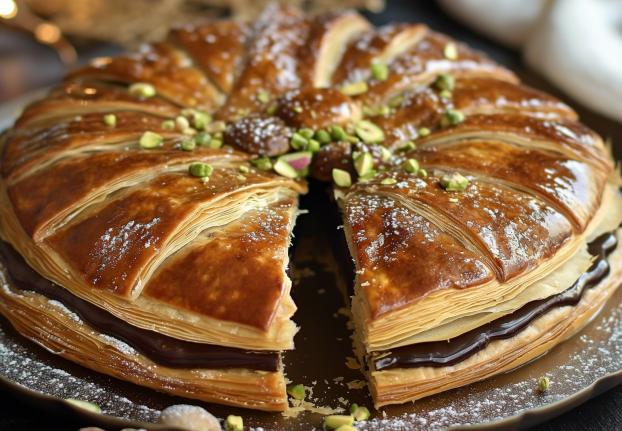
<point x="129" y="229"/>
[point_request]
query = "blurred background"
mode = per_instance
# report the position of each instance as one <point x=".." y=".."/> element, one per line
<point x="571" y="48"/>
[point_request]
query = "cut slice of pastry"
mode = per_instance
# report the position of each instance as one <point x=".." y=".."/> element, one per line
<point x="147" y="205"/>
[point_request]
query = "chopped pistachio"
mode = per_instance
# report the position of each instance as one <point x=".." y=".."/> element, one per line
<point x="150" y="140"/>
<point x="411" y="166"/>
<point x="168" y="124"/>
<point x="182" y="122"/>
<point x="283" y="168"/>
<point x="385" y="154"/>
<point x="396" y="101"/>
<point x="142" y="89"/>
<point x="189" y="131"/>
<point x="306" y="133"/>
<point x="322" y="136"/>
<point x="363" y="163"/>
<point x="244" y="169"/>
<point x="352" y="138"/>
<point x="407" y="146"/>
<point x="188" y="144"/>
<point x="454" y="182"/>
<point x="445" y="81"/>
<point x="298" y="109"/>
<point x="297" y="391"/>
<point x="368" y="176"/>
<point x="217" y="126"/>
<point x="424" y="131"/>
<point x="368" y="132"/>
<point x="84" y="405"/>
<point x="271" y="109"/>
<point x="423" y="173"/>
<point x="200" y="169"/>
<point x="354" y="88"/>
<point x="445" y="94"/>
<point x="201" y="119"/>
<point x="544" y="383"/>
<point x="360" y="413"/>
<point x="202" y="138"/>
<point x="262" y="163"/>
<point x="215" y="143"/>
<point x="342" y="178"/>
<point x="346" y="428"/>
<point x="110" y="120"/>
<point x="234" y="423"/>
<point x="241" y="177"/>
<point x="379" y="71"/>
<point x="298" y="142"/>
<point x="450" y="51"/>
<point x="337" y="133"/>
<point x="314" y="146"/>
<point x="332" y="422"/>
<point x="263" y="96"/>
<point x="388" y="181"/>
<point x="452" y="117"/>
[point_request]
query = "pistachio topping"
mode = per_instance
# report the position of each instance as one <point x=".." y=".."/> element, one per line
<point x="188" y="144"/>
<point x="262" y="163"/>
<point x="363" y="163"/>
<point x="142" y="89"/>
<point x="84" y="405"/>
<point x="360" y="413"/>
<point x="306" y="133"/>
<point x="445" y="94"/>
<point x="450" y="51"/>
<point x="314" y="146"/>
<point x="411" y="166"/>
<point x="263" y="96"/>
<point x="297" y="392"/>
<point x="424" y="131"/>
<point x="407" y="146"/>
<point x="284" y="169"/>
<point x="110" y="120"/>
<point x="368" y="132"/>
<point x="368" y="176"/>
<point x="322" y="136"/>
<point x="201" y="119"/>
<point x="354" y="88"/>
<point x="445" y="81"/>
<point x="234" y="423"/>
<point x="333" y="422"/>
<point x="396" y="101"/>
<point x="150" y="140"/>
<point x="168" y="124"/>
<point x="337" y="133"/>
<point x="298" y="141"/>
<point x="200" y="170"/>
<point x="298" y="109"/>
<point x="385" y="154"/>
<point x="202" y="139"/>
<point x="244" y="169"/>
<point x="182" y="123"/>
<point x="214" y="143"/>
<point x="346" y="428"/>
<point x="388" y="181"/>
<point x="452" y="117"/>
<point x="454" y="182"/>
<point x="379" y="71"/>
<point x="271" y="109"/>
<point x="544" y="383"/>
<point x="423" y="173"/>
<point x="342" y="178"/>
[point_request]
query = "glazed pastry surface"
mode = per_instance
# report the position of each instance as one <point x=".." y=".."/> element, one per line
<point x="162" y="186"/>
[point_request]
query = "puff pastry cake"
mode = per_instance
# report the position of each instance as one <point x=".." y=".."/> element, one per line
<point x="147" y="205"/>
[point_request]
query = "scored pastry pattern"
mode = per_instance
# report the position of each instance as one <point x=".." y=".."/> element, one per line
<point x="162" y="185"/>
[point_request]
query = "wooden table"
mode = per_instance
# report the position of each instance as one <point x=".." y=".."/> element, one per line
<point x="26" y="66"/>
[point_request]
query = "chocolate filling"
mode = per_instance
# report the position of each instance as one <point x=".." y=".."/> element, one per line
<point x="161" y="349"/>
<point x="444" y="353"/>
